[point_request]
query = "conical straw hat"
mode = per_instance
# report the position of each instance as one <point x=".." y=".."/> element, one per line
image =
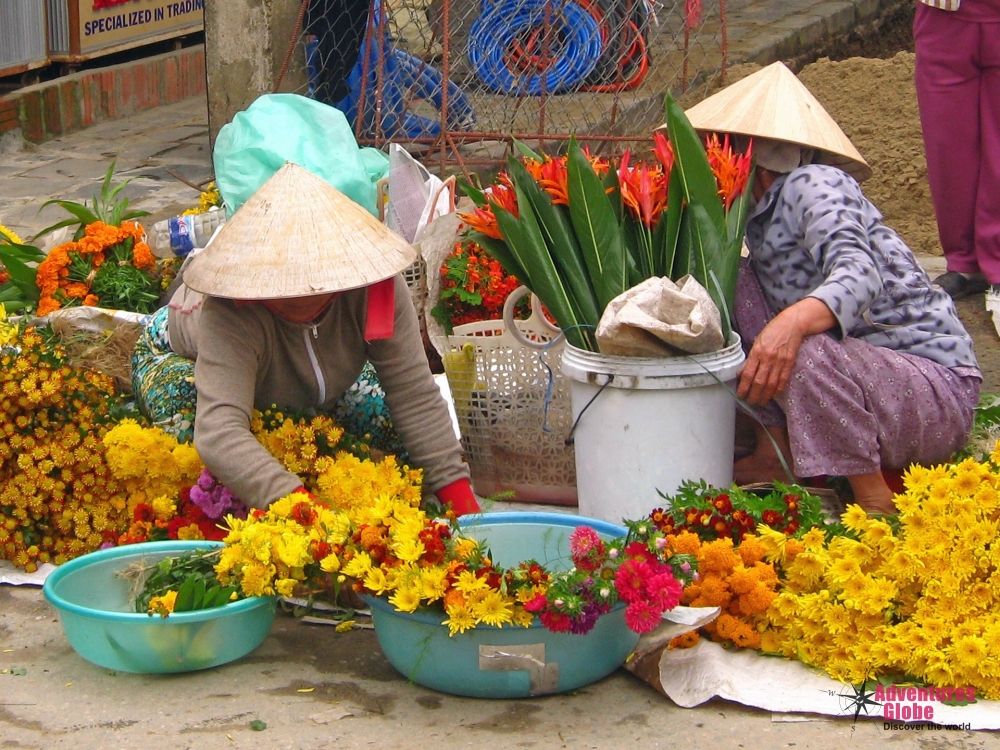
<point x="773" y="103"/>
<point x="297" y="236"/>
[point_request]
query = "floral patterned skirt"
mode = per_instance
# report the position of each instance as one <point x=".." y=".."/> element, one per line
<point x="165" y="392"/>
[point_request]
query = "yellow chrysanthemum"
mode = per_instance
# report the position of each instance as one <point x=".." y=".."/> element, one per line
<point x="493" y="609"/>
<point x="405" y="600"/>
<point x="459" y="620"/>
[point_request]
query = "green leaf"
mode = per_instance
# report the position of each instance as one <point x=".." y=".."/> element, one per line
<point x="476" y="195"/>
<point x="597" y="228"/>
<point x="198" y="598"/>
<point x="613" y="189"/>
<point x="185" y="596"/>
<point x="671" y="223"/>
<point x="222" y="598"/>
<point x="558" y="235"/>
<point x="83" y="214"/>
<point x="107" y="182"/>
<point x="526" y="152"/>
<point x="699" y="231"/>
<point x="257" y="725"/>
<point x="58" y="225"/>
<point x="499" y="250"/>
<point x="24" y="253"/>
<point x="524" y="238"/>
<point x="696" y="179"/>
<point x="16" y="268"/>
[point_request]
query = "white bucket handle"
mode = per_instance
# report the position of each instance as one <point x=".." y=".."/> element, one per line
<point x="537" y="317"/>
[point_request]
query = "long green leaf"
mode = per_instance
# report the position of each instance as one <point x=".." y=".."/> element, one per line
<point x="25" y="253"/>
<point x="527" y="152"/>
<point x="499" y="250"/>
<point x="724" y="310"/>
<point x="16" y="268"/>
<point x="185" y="596"/>
<point x="702" y="235"/>
<point x="562" y="243"/>
<point x="671" y="223"/>
<point x="524" y="238"/>
<point x="696" y="179"/>
<point x="58" y="225"/>
<point x="82" y="213"/>
<point x="637" y="267"/>
<point x="476" y="195"/>
<point x="597" y="229"/>
<point x="613" y="189"/>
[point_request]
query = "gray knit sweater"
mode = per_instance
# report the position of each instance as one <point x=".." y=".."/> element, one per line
<point x="247" y="357"/>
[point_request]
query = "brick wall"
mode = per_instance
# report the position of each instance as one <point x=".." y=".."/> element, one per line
<point x="53" y="108"/>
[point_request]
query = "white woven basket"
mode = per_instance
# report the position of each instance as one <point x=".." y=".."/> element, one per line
<point x="499" y="385"/>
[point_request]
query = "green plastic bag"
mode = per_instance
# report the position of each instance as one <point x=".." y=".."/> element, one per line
<point x="287" y="127"/>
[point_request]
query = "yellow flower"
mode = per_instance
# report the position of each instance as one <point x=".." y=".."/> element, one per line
<point x="855" y="518"/>
<point x="522" y="617"/>
<point x="285" y="586"/>
<point x="358" y="566"/>
<point x="405" y="600"/>
<point x="468" y="583"/>
<point x="459" y="619"/>
<point x="163" y="605"/>
<point x="376" y="582"/>
<point x="493" y="609"/>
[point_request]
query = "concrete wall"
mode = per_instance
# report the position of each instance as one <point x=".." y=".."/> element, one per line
<point x="246" y="42"/>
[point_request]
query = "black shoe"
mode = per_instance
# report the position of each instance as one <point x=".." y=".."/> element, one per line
<point x="958" y="285"/>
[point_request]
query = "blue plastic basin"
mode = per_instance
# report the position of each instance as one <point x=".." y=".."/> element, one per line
<point x="93" y="605"/>
<point x="509" y="662"/>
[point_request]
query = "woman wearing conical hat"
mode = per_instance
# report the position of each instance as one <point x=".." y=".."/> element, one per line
<point x="856" y="363"/>
<point x="287" y="306"/>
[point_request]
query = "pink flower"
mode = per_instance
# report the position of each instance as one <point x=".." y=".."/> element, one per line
<point x="537" y="604"/>
<point x="630" y="580"/>
<point x="557" y="622"/>
<point x="664" y="591"/>
<point x="586" y="548"/>
<point x="641" y="617"/>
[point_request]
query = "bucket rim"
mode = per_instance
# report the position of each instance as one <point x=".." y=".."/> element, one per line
<point x="164" y="548"/>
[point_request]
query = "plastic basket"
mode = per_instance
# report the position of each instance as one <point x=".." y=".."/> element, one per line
<point x="500" y="382"/>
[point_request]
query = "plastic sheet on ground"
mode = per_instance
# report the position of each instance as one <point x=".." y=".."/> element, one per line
<point x="16" y="577"/>
<point x="692" y="676"/>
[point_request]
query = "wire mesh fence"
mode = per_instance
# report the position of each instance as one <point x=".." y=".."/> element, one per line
<point x="456" y="79"/>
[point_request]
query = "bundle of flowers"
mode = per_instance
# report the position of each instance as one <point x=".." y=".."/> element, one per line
<point x="109" y="265"/>
<point x="209" y="198"/>
<point x="716" y="514"/>
<point x="580" y="231"/>
<point x="474" y="287"/>
<point x="392" y="549"/>
<point x="199" y="513"/>
<point x="734" y="577"/>
<point x="916" y="598"/>
<point x="58" y="497"/>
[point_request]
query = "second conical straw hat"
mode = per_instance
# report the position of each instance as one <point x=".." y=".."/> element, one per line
<point x="773" y="103"/>
<point x="296" y="236"/>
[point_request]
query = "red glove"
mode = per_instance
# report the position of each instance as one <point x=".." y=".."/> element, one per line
<point x="459" y="497"/>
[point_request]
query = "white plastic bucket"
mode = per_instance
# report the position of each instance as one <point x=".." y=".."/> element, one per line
<point x="655" y="423"/>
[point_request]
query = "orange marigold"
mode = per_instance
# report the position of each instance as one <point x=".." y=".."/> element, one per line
<point x="687" y="640"/>
<point x="685" y="543"/>
<point x="717" y="556"/>
<point x="141" y="256"/>
<point x="751" y="550"/>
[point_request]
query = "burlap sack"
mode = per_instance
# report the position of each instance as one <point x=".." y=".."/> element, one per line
<point x="658" y="318"/>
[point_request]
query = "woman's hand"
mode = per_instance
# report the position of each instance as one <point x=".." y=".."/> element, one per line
<point x="769" y="366"/>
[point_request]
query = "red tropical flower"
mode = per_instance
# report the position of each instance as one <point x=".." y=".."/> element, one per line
<point x="732" y="170"/>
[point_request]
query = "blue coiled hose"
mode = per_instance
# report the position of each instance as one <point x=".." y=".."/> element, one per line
<point x="576" y="52"/>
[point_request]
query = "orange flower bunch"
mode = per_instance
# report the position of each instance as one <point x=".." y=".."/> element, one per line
<point x="474" y="287"/>
<point x="65" y="277"/>
<point x="737" y="579"/>
<point x="731" y="169"/>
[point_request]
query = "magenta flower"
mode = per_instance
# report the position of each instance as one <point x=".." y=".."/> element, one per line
<point x="664" y="591"/>
<point x="641" y="617"/>
<point x="586" y="548"/>
<point x="630" y="580"/>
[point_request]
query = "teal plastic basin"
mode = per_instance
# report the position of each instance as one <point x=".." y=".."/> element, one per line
<point x="508" y="662"/>
<point x="99" y="624"/>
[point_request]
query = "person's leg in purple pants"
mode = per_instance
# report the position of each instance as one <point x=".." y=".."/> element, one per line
<point x="958" y="90"/>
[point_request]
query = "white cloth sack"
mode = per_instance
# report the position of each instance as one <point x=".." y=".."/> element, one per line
<point x="658" y="317"/>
